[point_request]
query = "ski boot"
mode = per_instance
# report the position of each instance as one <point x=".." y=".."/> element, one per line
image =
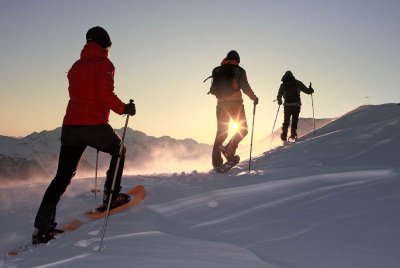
<point x="284" y="136"/>
<point x="293" y="136"/>
<point x="232" y="159"/>
<point x="44" y="236"/>
<point x="120" y="200"/>
<point x="228" y="153"/>
<point x="216" y="169"/>
<point x="229" y="164"/>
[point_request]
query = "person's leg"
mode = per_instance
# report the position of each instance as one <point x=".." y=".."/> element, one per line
<point x="113" y="150"/>
<point x="104" y="138"/>
<point x="239" y="116"/>
<point x="295" y="119"/>
<point x="67" y="165"/>
<point x="222" y="134"/>
<point x="286" y="121"/>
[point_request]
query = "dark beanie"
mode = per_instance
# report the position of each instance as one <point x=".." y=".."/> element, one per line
<point x="98" y="35"/>
<point x="233" y="55"/>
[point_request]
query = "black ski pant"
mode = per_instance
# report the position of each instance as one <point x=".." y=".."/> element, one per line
<point x="290" y="112"/>
<point x="226" y="111"/>
<point x="74" y="140"/>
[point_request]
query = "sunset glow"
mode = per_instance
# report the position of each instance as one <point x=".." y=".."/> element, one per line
<point x="163" y="50"/>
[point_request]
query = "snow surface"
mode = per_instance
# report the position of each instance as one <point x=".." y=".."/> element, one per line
<point x="330" y="200"/>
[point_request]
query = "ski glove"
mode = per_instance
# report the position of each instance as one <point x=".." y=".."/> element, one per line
<point x="311" y="89"/>
<point x="130" y="109"/>
<point x="279" y="101"/>
<point x="255" y="101"/>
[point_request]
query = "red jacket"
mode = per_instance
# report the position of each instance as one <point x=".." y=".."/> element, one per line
<point x="91" y="89"/>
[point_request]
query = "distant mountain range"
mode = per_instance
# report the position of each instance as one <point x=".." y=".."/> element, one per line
<point x="36" y="155"/>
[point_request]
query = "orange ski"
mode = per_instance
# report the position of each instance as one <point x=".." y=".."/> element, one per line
<point x="137" y="193"/>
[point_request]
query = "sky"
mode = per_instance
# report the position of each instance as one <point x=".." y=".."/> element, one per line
<point x="163" y="50"/>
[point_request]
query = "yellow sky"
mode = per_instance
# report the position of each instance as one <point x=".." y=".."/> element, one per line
<point x="163" y="50"/>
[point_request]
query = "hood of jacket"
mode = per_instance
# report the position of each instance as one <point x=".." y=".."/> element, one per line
<point x="93" y="50"/>
<point x="288" y="76"/>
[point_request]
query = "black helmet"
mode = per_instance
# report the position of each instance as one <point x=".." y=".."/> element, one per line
<point x="233" y="55"/>
<point x="98" y="35"/>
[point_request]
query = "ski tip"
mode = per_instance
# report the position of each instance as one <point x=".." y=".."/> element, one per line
<point x="137" y="191"/>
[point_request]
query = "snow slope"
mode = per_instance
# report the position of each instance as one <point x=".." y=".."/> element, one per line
<point x="330" y="200"/>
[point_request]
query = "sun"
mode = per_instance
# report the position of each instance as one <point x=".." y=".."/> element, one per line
<point x="233" y="125"/>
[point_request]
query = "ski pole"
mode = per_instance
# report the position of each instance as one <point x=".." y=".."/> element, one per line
<point x="95" y="174"/>
<point x="312" y="103"/>
<point x="276" y="117"/>
<point x="252" y="131"/>
<point x="121" y="147"/>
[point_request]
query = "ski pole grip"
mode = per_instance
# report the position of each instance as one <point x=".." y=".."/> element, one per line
<point x="130" y="101"/>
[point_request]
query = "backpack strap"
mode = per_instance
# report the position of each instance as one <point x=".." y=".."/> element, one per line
<point x="207" y="78"/>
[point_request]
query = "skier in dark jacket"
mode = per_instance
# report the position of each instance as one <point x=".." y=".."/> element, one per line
<point x="91" y="91"/>
<point x="230" y="107"/>
<point x="290" y="90"/>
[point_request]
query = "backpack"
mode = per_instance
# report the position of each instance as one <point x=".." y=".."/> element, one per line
<point x="291" y="93"/>
<point x="223" y="81"/>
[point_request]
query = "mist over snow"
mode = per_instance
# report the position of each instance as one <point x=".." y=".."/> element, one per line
<point x="35" y="157"/>
<point x="330" y="200"/>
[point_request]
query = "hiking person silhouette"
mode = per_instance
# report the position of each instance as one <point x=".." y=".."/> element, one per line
<point x="229" y="80"/>
<point x="290" y="91"/>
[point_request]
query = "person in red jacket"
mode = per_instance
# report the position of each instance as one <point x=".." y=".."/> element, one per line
<point x="91" y="91"/>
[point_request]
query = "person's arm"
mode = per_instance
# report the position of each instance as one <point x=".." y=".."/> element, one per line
<point x="245" y="86"/>
<point x="303" y="88"/>
<point x="279" y="96"/>
<point x="105" y="85"/>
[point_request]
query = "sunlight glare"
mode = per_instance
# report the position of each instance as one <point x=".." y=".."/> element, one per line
<point x="233" y="125"/>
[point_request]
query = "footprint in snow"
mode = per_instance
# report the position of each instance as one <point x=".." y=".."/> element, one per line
<point x="212" y="204"/>
<point x="96" y="232"/>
